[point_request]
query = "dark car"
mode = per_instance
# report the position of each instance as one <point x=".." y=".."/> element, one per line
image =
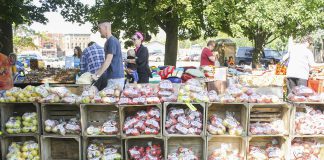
<point x="244" y="56"/>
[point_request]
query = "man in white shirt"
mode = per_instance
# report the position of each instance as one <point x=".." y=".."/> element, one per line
<point x="301" y="60"/>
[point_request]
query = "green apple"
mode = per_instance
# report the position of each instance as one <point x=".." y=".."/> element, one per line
<point x="48" y="129"/>
<point x="55" y="129"/>
<point x="34" y="129"/>
<point x="10" y="131"/>
<point x="36" y="158"/>
<point x="16" y="125"/>
<point x="34" y="122"/>
<point x="34" y="153"/>
<point x="25" y="130"/>
<point x="24" y="149"/>
<point x="24" y="155"/>
<point x="86" y="100"/>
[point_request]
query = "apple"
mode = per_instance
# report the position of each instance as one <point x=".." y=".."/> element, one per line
<point x="25" y="154"/>
<point x="25" y="130"/>
<point x="36" y="158"/>
<point x="85" y="100"/>
<point x="24" y="149"/>
<point x="48" y="129"/>
<point x="34" y="129"/>
<point x="34" y="122"/>
<point x="10" y="131"/>
<point x="34" y="153"/>
<point x="55" y="129"/>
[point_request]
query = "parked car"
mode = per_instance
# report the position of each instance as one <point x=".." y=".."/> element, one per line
<point x="156" y="57"/>
<point x="244" y="55"/>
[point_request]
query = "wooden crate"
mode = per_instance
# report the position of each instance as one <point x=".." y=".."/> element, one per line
<point x="96" y="115"/>
<point x="115" y="142"/>
<point x="237" y="143"/>
<point x="318" y="139"/>
<point x="267" y="113"/>
<point x="128" y="110"/>
<point x="61" y="148"/>
<point x="6" y="141"/>
<point x="199" y="106"/>
<point x="59" y="112"/>
<point x="143" y="142"/>
<point x="300" y="107"/>
<point x="240" y="110"/>
<point x="18" y="109"/>
<point x="262" y="142"/>
<point x="197" y="144"/>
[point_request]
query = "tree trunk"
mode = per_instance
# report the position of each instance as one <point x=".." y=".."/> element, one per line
<point x="259" y="43"/>
<point x="171" y="44"/>
<point x="6" y="43"/>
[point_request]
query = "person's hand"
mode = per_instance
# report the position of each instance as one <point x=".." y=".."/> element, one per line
<point x="94" y="77"/>
<point x="129" y="71"/>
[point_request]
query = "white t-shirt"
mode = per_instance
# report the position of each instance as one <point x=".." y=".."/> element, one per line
<point x="300" y="59"/>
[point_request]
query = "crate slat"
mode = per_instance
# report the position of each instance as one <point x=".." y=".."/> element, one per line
<point x="61" y="148"/>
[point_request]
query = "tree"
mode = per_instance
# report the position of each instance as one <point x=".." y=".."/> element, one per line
<point x="17" y="12"/>
<point x="263" y="21"/>
<point x="180" y="19"/>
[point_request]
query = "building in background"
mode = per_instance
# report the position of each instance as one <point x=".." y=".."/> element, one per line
<point x="72" y="40"/>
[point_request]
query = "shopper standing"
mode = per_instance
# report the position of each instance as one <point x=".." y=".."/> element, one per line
<point x="207" y="56"/>
<point x="77" y="56"/>
<point x="113" y="64"/>
<point x="301" y="60"/>
<point x="92" y="58"/>
<point x="142" y="59"/>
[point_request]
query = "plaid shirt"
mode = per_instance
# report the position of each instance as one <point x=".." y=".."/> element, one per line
<point x="92" y="59"/>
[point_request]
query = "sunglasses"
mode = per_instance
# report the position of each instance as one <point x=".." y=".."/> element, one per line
<point x="134" y="39"/>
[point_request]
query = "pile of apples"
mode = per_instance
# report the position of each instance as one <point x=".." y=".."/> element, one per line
<point x="193" y="91"/>
<point x="15" y="94"/>
<point x="218" y="126"/>
<point x="28" y="150"/>
<point x="303" y="148"/>
<point x="183" y="154"/>
<point x="225" y="152"/>
<point x="270" y="151"/>
<point x="167" y="92"/>
<point x="103" y="152"/>
<point x="186" y="122"/>
<point x="107" y="95"/>
<point x="26" y="124"/>
<point x="143" y="122"/>
<point x="150" y="152"/>
<point x="73" y="126"/>
<point x="139" y="94"/>
<point x="108" y="128"/>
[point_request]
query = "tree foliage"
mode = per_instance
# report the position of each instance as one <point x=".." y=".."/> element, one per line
<point x="26" y="11"/>
<point x="180" y="19"/>
<point x="263" y="21"/>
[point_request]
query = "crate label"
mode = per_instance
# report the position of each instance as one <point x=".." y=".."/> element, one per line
<point x="192" y="107"/>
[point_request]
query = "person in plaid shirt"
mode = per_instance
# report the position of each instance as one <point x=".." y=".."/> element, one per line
<point x="92" y="58"/>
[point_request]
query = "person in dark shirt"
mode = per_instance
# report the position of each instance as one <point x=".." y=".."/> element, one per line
<point x="132" y="74"/>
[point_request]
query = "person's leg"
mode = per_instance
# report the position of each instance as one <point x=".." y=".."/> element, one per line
<point x="291" y="84"/>
<point x="143" y="78"/>
<point x="135" y="76"/>
<point x="302" y="82"/>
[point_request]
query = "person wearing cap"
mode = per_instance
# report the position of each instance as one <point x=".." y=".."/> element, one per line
<point x="141" y="60"/>
<point x="301" y="60"/>
<point x="113" y="64"/>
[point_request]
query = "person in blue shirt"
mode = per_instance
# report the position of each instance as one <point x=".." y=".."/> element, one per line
<point x="77" y="56"/>
<point x="113" y="64"/>
<point x="92" y="58"/>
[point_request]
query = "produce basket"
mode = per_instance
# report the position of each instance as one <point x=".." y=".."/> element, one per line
<point x="59" y="112"/>
<point x="61" y="148"/>
<point x="233" y="144"/>
<point x="306" y="120"/>
<point x="196" y="144"/>
<point x="7" y="141"/>
<point x="97" y="115"/>
<point x="19" y="109"/>
<point x="221" y="110"/>
<point x="263" y="142"/>
<point x="131" y="111"/>
<point x="130" y="144"/>
<point x="116" y="143"/>
<point x="276" y="115"/>
<point x="167" y="116"/>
